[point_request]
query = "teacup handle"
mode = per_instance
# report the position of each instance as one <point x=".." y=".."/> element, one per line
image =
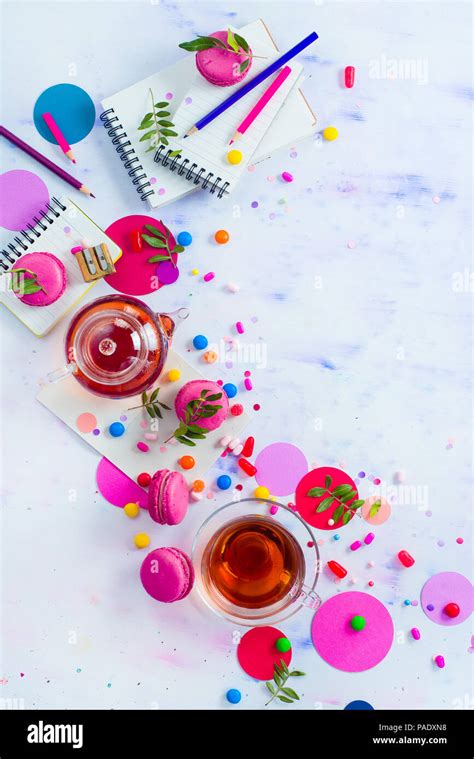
<point x="62" y="373"/>
<point x="307" y="596"/>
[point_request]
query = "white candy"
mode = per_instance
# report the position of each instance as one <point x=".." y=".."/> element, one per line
<point x="331" y="522"/>
<point x="399" y="476"/>
<point x="237" y="451"/>
<point x="224" y="441"/>
<point x="196" y="496"/>
<point x="233" y="287"/>
<point x="234" y="443"/>
<point x="150" y="436"/>
<point x="371" y="564"/>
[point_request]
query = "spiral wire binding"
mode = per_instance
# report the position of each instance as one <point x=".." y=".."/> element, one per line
<point x="192" y="173"/>
<point x="129" y="157"/>
<point x="29" y="235"/>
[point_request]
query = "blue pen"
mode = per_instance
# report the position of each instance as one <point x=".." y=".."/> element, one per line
<point x="252" y="84"/>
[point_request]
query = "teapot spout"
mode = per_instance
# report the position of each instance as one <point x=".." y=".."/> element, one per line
<point x="170" y="322"/>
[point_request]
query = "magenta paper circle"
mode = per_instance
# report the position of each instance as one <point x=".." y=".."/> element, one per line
<point x="347" y="649"/>
<point x="445" y="588"/>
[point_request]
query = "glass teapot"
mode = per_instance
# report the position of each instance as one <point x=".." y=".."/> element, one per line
<point x="116" y="346"/>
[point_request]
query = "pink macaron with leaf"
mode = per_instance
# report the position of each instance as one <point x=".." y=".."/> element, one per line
<point x="202" y="404"/>
<point x="38" y="279"/>
<point x="168" y="497"/>
<point x="167" y="574"/>
<point x="223" y="58"/>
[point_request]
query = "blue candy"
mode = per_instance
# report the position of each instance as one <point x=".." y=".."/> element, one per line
<point x="224" y="482"/>
<point x="116" y="429"/>
<point x="200" y="342"/>
<point x="230" y="390"/>
<point x="337" y="537"/>
<point x="184" y="239"/>
<point x="233" y="696"/>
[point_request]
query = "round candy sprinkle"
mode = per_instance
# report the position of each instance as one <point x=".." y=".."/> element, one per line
<point x="210" y="275"/>
<point x="233" y="287"/>
<point x="234" y="157"/>
<point x="198" y="486"/>
<point x="286" y="176"/>
<point x="210" y="357"/>
<point x="194" y="272"/>
<point x="430" y="607"/>
<point x="406" y="559"/>
<point x="224" y="482"/>
<point x="371" y="583"/>
<point x="337" y="537"/>
<point x="407" y="602"/>
<point x="184" y="239"/>
<point x="230" y="390"/>
<point x="240" y="328"/>
<point x="174" y="375"/>
<point x="186" y="462"/>
<point x="452" y="610"/>
<point x="144" y="479"/>
<point x="117" y="429"/>
<point x="355" y="545"/>
<point x="357" y="622"/>
<point x="439" y="660"/>
<point x="131" y="510"/>
<point x="143" y="447"/>
<point x="330" y="133"/>
<point x="283" y="645"/>
<point x="331" y="522"/>
<point x="237" y="409"/>
<point x="233" y="696"/>
<point x="261" y="492"/>
<point x="460" y="541"/>
<point x="415" y="633"/>
<point x="142" y="540"/>
<point x="222" y="236"/>
<point x="200" y="342"/>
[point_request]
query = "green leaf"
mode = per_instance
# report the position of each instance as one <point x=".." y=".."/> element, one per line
<point x="205" y="392"/>
<point x="216" y="39"/>
<point x="244" y="65"/>
<point x="146" y="125"/>
<point x="154" y="395"/>
<point x="277" y="669"/>
<point x="164" y="140"/>
<point x="144" y="397"/>
<point x="316" y="492"/>
<point x="165" y="123"/>
<point x="148" y="150"/>
<point x="284" y="667"/>
<point x="153" y="241"/>
<point x="162" y="104"/>
<point x="157" y="259"/>
<point x="203" y="43"/>
<point x="297" y="673"/>
<point x="178" y="249"/>
<point x="155" y="230"/>
<point x="342" y="489"/>
<point x="231" y="41"/>
<point x="196" y="435"/>
<point x="346" y="518"/>
<point x="375" y="508"/>
<point x="168" y="132"/>
<point x="291" y="693"/>
<point x="271" y="688"/>
<point x="242" y="42"/>
<point x="175" y="153"/>
<point x="325" y="504"/>
<point x="285" y="699"/>
<point x="146" y="117"/>
<point x="277" y="678"/>
<point x="338" y="514"/>
<point x="328" y="480"/>
<point x="185" y="441"/>
<point x="214" y="397"/>
<point x="163" y="405"/>
<point x="348" y="497"/>
<point x="157" y="411"/>
<point x="162" y="114"/>
<point x="357" y="504"/>
<point x="195" y="428"/>
<point x="150" y="411"/>
<point x="147" y="136"/>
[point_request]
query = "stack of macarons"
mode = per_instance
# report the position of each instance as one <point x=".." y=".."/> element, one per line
<point x="168" y="497"/>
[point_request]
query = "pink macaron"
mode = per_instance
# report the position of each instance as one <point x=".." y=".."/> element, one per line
<point x="222" y="67"/>
<point x="168" y="497"/>
<point x="167" y="574"/>
<point x="192" y="391"/>
<point x="50" y="274"/>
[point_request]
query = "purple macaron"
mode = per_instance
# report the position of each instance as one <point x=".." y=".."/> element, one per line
<point x="167" y="574"/>
<point x="168" y="497"/>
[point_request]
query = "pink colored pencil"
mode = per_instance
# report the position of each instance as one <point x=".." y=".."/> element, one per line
<point x="59" y="137"/>
<point x="258" y="107"/>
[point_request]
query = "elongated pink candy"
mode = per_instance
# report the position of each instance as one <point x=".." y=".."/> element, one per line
<point x="355" y="545"/>
<point x="248" y="383"/>
<point x="415" y="633"/>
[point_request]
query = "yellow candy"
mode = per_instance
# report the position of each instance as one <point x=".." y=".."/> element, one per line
<point x="132" y="510"/>
<point x="195" y="272"/>
<point x="261" y="492"/>
<point x="142" y="540"/>
<point x="234" y="156"/>
<point x="330" y="133"/>
<point x="174" y="375"/>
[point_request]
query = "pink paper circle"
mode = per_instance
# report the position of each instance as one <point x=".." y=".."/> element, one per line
<point x="306" y="505"/>
<point x="347" y="649"/>
<point x="444" y="588"/>
<point x="134" y="274"/>
<point x="382" y="514"/>
<point x="23" y="195"/>
<point x="86" y="422"/>
<point x="167" y="273"/>
<point x="280" y="466"/>
<point x="117" y="488"/>
<point x="257" y="652"/>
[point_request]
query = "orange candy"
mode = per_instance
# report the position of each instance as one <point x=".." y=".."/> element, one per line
<point x="222" y="236"/>
<point x="198" y="486"/>
<point x="186" y="462"/>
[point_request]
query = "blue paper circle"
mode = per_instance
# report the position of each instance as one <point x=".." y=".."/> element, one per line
<point x="72" y="109"/>
<point x="361" y="706"/>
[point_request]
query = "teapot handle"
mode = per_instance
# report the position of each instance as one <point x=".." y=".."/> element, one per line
<point x="171" y="321"/>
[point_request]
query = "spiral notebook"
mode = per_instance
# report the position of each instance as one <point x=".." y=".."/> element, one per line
<point x="55" y="229"/>
<point x="124" y="111"/>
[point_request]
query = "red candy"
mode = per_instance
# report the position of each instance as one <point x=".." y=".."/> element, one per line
<point x="248" y="447"/>
<point x="349" y="76"/>
<point x="337" y="569"/>
<point x="144" y="479"/>
<point x="237" y="409"/>
<point x="452" y="610"/>
<point x="136" y="240"/>
<point x="247" y="467"/>
<point x="406" y="559"/>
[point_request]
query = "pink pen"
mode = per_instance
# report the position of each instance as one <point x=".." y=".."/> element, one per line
<point x="258" y="107"/>
<point x="59" y="137"/>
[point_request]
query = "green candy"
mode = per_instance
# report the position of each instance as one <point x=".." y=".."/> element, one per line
<point x="358" y="622"/>
<point x="283" y="645"/>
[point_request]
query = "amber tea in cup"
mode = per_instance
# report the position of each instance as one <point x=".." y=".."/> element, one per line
<point x="253" y="563"/>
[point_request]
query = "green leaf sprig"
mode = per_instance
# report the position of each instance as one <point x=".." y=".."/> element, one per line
<point x="157" y="126"/>
<point x="200" y="408"/>
<point x="152" y="405"/>
<point x="22" y="285"/>
<point x="278" y="687"/>
<point x="342" y="494"/>
<point x="162" y="241"/>
<point x="235" y="44"/>
<point x="375" y="508"/>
